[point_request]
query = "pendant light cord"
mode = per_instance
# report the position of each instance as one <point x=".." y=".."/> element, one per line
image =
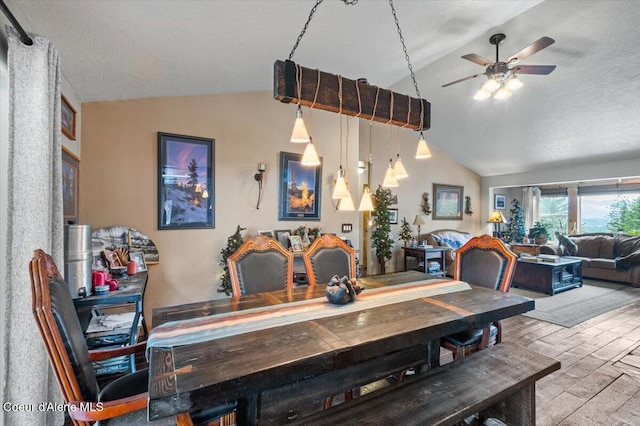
<point x="340" y="114"/>
<point x="315" y="97"/>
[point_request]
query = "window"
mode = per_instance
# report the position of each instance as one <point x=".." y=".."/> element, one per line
<point x="554" y="211"/>
<point x="610" y="212"/>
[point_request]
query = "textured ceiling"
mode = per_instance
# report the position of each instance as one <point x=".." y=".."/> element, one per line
<point x="584" y="112"/>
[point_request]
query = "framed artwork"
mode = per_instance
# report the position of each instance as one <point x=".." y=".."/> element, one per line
<point x="70" y="182"/>
<point x="138" y="257"/>
<point x="299" y="189"/>
<point x="296" y="243"/>
<point x="283" y="237"/>
<point x="269" y="233"/>
<point x="185" y="182"/>
<point x="393" y="216"/>
<point x="499" y="202"/>
<point x="68" y="119"/>
<point x="447" y="202"/>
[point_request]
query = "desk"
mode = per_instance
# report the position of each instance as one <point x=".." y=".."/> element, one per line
<point x="275" y="371"/>
<point x="131" y="291"/>
<point x="424" y="254"/>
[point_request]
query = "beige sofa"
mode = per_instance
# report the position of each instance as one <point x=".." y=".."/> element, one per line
<point x="613" y="257"/>
<point x="450" y="238"/>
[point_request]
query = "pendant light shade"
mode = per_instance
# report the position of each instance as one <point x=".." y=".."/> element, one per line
<point x="366" y="205"/>
<point x="399" y="169"/>
<point x="299" y="134"/>
<point x="310" y="156"/>
<point x="340" y="189"/>
<point x="346" y="204"/>
<point x="390" y="180"/>
<point x="423" y="149"/>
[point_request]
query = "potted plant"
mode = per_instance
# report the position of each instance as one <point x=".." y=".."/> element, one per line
<point x="540" y="232"/>
<point x="405" y="232"/>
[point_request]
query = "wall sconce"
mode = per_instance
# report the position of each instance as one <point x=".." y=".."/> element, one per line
<point x="258" y="177"/>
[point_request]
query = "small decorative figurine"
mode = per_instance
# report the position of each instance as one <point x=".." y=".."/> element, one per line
<point x="341" y="291"/>
<point x="467" y="205"/>
<point x="426" y="207"/>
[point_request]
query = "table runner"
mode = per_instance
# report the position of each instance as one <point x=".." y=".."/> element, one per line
<point x="196" y="330"/>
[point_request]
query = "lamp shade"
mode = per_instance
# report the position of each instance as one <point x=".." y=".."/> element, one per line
<point x="491" y="85"/>
<point x="399" y="169"/>
<point x="514" y="83"/>
<point x="496" y="217"/>
<point x="340" y="189"/>
<point x="418" y="220"/>
<point x="481" y="95"/>
<point x="310" y="156"/>
<point x="503" y="93"/>
<point x="390" y="180"/>
<point x="423" y="149"/>
<point x="366" y="205"/>
<point x="346" y="204"/>
<point x="299" y="134"/>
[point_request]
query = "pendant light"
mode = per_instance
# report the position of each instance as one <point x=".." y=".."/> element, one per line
<point x="310" y="157"/>
<point x="340" y="189"/>
<point x="366" y="204"/>
<point x="390" y="180"/>
<point x="346" y="204"/>
<point x="398" y="167"/>
<point x="423" y="149"/>
<point x="299" y="134"/>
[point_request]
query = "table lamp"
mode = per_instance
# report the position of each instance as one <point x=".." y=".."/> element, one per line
<point x="497" y="219"/>
<point x="418" y="221"/>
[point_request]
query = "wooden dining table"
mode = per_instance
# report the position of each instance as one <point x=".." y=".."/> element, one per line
<point x="282" y="370"/>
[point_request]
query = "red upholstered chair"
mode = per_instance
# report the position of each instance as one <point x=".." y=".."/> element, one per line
<point x="260" y="264"/>
<point x="483" y="261"/>
<point x="327" y="256"/>
<point x="124" y="400"/>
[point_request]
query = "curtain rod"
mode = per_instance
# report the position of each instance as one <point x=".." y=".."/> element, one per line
<point x="24" y="37"/>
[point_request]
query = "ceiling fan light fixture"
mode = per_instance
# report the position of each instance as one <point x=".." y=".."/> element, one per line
<point x="491" y="85"/>
<point x="503" y="93"/>
<point x="514" y="83"/>
<point x="482" y="94"/>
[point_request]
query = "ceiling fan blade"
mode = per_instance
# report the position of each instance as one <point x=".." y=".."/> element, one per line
<point x="463" y="79"/>
<point x="477" y="59"/>
<point x="534" y="47"/>
<point x="534" y="69"/>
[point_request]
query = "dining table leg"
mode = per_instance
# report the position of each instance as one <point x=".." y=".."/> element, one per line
<point x="248" y="410"/>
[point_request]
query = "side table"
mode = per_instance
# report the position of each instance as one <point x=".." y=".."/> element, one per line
<point x="423" y="254"/>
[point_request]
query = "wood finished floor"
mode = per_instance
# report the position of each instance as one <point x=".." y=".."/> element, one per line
<point x="599" y="382"/>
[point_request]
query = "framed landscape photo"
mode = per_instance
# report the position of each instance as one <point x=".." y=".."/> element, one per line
<point x="185" y="182"/>
<point x="447" y="202"/>
<point x="393" y="216"/>
<point x="499" y="202"/>
<point x="299" y="189"/>
<point x="70" y="179"/>
<point x="68" y="119"/>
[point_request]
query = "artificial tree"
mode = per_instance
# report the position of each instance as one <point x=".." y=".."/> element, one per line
<point x="380" y="239"/>
<point x="233" y="243"/>
<point x="405" y="232"/>
<point x="515" y="228"/>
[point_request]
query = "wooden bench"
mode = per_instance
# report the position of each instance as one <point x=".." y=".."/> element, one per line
<point x="498" y="382"/>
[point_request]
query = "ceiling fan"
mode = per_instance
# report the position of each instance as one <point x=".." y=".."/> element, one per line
<point x="502" y="76"/>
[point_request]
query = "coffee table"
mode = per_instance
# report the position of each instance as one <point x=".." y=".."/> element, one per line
<point x="548" y="277"/>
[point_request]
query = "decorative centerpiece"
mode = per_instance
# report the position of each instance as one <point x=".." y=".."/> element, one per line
<point x="341" y="291"/>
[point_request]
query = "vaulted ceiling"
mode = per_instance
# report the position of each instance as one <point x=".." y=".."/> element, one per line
<point x="586" y="111"/>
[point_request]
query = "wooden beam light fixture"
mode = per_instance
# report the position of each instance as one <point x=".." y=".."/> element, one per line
<point x="294" y="83"/>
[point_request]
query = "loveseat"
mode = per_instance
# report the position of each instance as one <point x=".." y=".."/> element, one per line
<point x="450" y="238"/>
<point x="605" y="256"/>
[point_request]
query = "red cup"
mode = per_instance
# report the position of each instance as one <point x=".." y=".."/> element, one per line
<point x="132" y="267"/>
<point x="113" y="284"/>
<point x="97" y="278"/>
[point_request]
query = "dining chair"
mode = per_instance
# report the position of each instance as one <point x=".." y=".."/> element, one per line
<point x="260" y="264"/>
<point x="327" y="256"/>
<point x="122" y="401"/>
<point x="483" y="261"/>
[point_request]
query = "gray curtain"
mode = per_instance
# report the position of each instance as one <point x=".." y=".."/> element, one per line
<point x="531" y="205"/>
<point x="34" y="221"/>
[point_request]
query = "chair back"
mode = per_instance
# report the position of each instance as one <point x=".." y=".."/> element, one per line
<point x="487" y="262"/>
<point x="60" y="328"/>
<point x="327" y="256"/>
<point x="260" y="264"/>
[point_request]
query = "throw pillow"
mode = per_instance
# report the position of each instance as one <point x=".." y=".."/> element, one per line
<point x="566" y="242"/>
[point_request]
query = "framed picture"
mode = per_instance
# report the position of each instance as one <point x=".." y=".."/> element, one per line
<point x="138" y="257"/>
<point x="447" y="202"/>
<point x="112" y="260"/>
<point x="499" y="202"/>
<point x="283" y="237"/>
<point x="68" y="119"/>
<point x="185" y="182"/>
<point x="296" y="243"/>
<point x="299" y="189"/>
<point x="393" y="216"/>
<point x="70" y="181"/>
<point x="269" y="233"/>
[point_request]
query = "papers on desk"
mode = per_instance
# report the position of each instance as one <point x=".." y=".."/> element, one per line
<point x="116" y="322"/>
